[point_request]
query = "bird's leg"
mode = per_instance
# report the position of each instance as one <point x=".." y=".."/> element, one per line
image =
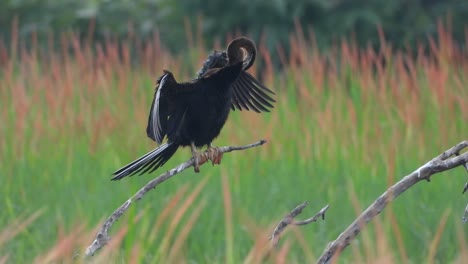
<point x="196" y="156"/>
<point x="214" y="154"/>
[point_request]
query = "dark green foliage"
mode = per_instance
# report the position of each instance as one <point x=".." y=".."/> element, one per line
<point x="403" y="21"/>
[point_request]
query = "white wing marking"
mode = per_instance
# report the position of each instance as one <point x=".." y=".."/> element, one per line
<point x="156" y="120"/>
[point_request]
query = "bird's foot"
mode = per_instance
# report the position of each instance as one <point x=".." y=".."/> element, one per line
<point x="199" y="158"/>
<point x="214" y="154"/>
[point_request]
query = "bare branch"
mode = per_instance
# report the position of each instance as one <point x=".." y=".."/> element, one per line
<point x="289" y="220"/>
<point x="314" y="218"/>
<point x="465" y="215"/>
<point x="441" y="163"/>
<point x="102" y="236"/>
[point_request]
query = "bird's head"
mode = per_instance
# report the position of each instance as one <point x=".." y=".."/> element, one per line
<point x="242" y="50"/>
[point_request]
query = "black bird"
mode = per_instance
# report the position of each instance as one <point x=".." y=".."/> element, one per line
<point x="193" y="113"/>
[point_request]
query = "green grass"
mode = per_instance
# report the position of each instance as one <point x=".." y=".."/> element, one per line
<point x="339" y="135"/>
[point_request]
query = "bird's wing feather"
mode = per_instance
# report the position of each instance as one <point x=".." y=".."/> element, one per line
<point x="250" y="94"/>
<point x="157" y="120"/>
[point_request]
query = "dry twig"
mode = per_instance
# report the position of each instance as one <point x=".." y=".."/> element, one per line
<point x="289" y="220"/>
<point x="443" y="162"/>
<point x="102" y="236"/>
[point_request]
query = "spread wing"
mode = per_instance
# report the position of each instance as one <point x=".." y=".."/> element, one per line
<point x="159" y="112"/>
<point x="168" y="106"/>
<point x="249" y="94"/>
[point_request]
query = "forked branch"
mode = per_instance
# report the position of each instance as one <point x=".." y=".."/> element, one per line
<point x="445" y="161"/>
<point x="102" y="236"/>
<point x="289" y="220"/>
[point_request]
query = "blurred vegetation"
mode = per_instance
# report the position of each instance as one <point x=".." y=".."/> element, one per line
<point x="403" y="21"/>
<point x="346" y="125"/>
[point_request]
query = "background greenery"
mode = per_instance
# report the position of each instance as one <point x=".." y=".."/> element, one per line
<point x="404" y="22"/>
<point x="347" y="124"/>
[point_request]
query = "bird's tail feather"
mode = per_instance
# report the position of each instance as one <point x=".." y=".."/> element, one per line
<point x="149" y="162"/>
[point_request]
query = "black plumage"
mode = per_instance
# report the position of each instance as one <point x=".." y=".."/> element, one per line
<point x="193" y="113"/>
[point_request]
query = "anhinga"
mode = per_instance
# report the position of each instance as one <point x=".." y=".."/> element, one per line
<point x="193" y="113"/>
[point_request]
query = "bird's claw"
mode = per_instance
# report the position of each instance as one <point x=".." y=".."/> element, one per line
<point x="212" y="153"/>
<point x="199" y="158"/>
<point x="196" y="165"/>
<point x="215" y="155"/>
